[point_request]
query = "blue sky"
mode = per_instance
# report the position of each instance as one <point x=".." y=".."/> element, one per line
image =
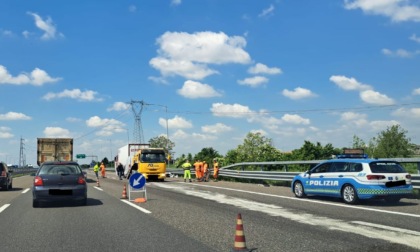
<point x="321" y="71"/>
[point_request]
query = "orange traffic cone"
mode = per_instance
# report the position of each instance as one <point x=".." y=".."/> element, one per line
<point x="240" y="244"/>
<point x="124" y="193"/>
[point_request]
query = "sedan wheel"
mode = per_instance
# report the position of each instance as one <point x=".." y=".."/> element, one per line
<point x="35" y="203"/>
<point x="298" y="190"/>
<point x="349" y="194"/>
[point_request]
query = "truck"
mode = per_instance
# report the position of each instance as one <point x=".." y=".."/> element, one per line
<point x="54" y="149"/>
<point x="151" y="162"/>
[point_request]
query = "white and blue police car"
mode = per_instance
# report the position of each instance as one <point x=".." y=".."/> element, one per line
<point x="355" y="178"/>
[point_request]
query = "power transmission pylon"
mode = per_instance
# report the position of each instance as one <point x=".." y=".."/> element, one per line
<point x="137" y="108"/>
<point x="22" y="158"/>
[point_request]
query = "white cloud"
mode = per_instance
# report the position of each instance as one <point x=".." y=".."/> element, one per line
<point x="37" y="77"/>
<point x="377" y="126"/>
<point x="415" y="38"/>
<point x="216" y="128"/>
<point x="397" y="10"/>
<point x="76" y="94"/>
<point x="188" y="55"/>
<point x="203" y="137"/>
<point x="119" y="106"/>
<point x="184" y="68"/>
<point x="176" y="2"/>
<point x="159" y="80"/>
<point x="106" y="127"/>
<point x="5" y="133"/>
<point x="400" y="53"/>
<point x="12" y="116"/>
<point x="354" y="118"/>
<point x="267" y="12"/>
<point x="407" y="113"/>
<point x="6" y="33"/>
<point x="73" y="119"/>
<point x="416" y="91"/>
<point x="376" y="98"/>
<point x="56" y="132"/>
<point x="253" y="81"/>
<point x="195" y="90"/>
<point x="298" y="93"/>
<point x="348" y="83"/>
<point x="132" y="8"/>
<point x="47" y="26"/>
<point x="228" y="110"/>
<point x="26" y="34"/>
<point x="176" y="123"/>
<point x="180" y="135"/>
<point x="260" y="131"/>
<point x="295" y="119"/>
<point x="263" y="69"/>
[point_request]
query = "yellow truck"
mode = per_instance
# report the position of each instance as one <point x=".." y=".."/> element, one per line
<point x="151" y="162"/>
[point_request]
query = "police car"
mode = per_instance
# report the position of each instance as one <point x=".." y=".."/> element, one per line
<point x="353" y="177"/>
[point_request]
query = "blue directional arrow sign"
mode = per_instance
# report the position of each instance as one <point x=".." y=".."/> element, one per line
<point x="137" y="180"/>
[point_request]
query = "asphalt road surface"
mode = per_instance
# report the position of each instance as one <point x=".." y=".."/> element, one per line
<point x="201" y="216"/>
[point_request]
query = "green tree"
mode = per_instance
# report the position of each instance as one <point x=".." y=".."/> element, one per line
<point x="105" y="161"/>
<point x="390" y="143"/>
<point x="310" y="151"/>
<point x="231" y="157"/>
<point x="207" y="154"/>
<point x="255" y="148"/>
<point x="358" y="143"/>
<point x="162" y="142"/>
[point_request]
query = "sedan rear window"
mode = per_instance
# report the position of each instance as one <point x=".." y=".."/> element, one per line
<point x="386" y="167"/>
<point x="59" y="169"/>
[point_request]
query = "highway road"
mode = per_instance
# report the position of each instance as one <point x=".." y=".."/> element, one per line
<point x="180" y="216"/>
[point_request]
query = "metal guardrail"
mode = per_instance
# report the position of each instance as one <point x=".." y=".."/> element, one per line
<point x="238" y="170"/>
<point x="21" y="171"/>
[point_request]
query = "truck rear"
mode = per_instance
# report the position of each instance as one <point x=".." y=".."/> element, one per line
<point x="54" y="149"/>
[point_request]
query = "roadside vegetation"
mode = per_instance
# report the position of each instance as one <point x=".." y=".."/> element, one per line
<point x="390" y="143"/>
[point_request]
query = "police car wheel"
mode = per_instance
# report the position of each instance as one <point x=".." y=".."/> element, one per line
<point x="349" y="194"/>
<point x="298" y="189"/>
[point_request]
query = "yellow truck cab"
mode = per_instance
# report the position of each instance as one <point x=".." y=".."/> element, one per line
<point x="150" y="162"/>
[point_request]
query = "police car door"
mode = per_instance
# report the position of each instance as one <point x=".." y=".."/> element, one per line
<point x="315" y="182"/>
<point x="333" y="178"/>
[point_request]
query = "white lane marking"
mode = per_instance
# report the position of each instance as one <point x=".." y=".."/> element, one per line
<point x="312" y="201"/>
<point x="98" y="188"/>
<point x="4" y="207"/>
<point x="135" y="206"/>
<point x="400" y="230"/>
<point x="26" y="190"/>
<point x="393" y="236"/>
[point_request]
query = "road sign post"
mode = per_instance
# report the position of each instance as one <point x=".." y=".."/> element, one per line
<point x="137" y="184"/>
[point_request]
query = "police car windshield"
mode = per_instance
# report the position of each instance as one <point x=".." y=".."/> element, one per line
<point x="386" y="167"/>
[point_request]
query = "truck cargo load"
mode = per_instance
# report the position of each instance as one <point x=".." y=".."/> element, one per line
<point x="54" y="149"/>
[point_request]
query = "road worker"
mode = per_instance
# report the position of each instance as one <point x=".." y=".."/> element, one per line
<point x="187" y="172"/>
<point x="102" y="167"/>
<point x="96" y="170"/>
<point x="215" y="170"/>
<point x="197" y="166"/>
<point x="205" y="171"/>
